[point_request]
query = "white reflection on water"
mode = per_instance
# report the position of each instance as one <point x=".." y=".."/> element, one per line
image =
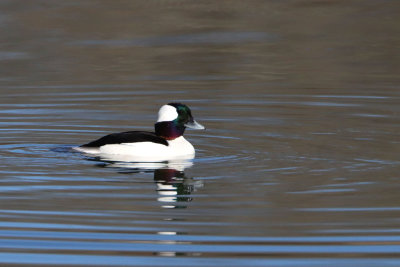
<point x="173" y="187"/>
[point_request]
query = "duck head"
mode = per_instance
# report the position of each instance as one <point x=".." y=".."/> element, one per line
<point x="173" y="119"/>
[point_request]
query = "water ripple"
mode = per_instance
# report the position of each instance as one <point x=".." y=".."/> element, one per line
<point x="186" y="39"/>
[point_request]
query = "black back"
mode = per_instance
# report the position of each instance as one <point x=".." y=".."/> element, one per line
<point x="127" y="137"/>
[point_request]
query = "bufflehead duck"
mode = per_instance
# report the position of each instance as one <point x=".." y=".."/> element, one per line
<point x="166" y="143"/>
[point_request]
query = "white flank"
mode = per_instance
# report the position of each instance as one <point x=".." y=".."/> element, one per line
<point x="178" y="148"/>
<point x="167" y="113"/>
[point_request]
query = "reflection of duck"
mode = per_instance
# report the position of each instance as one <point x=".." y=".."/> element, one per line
<point x="126" y="166"/>
<point x="173" y="187"/>
<point x="167" y="142"/>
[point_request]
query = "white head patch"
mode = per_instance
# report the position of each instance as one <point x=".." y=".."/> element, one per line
<point x="167" y="113"/>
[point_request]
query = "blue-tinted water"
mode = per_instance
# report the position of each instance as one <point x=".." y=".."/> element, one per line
<point x="299" y="165"/>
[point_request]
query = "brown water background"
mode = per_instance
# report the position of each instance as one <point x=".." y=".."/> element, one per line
<point x="299" y="165"/>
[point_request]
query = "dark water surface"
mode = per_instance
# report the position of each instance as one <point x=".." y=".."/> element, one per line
<point x="299" y="165"/>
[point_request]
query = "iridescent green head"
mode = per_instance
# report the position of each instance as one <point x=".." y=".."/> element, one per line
<point x="173" y="119"/>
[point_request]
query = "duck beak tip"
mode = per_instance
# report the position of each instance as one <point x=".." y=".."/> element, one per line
<point x="195" y="125"/>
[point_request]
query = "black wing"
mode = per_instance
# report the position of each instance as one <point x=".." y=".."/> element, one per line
<point x="127" y="137"/>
